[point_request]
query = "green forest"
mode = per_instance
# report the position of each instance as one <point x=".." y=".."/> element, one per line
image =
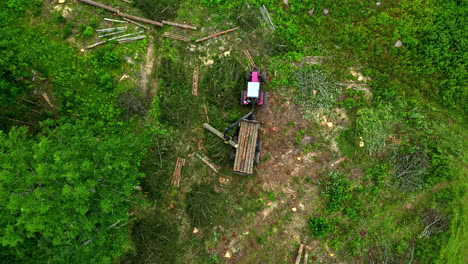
<point x="104" y="158"/>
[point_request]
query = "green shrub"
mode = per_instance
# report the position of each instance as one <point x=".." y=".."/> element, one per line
<point x="374" y="125"/>
<point x="337" y="192"/>
<point x="320" y="226"/>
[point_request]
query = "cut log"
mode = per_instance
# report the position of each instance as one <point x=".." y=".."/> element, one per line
<point x="299" y="254"/>
<point x="117" y="11"/>
<point x="217" y="34"/>
<point x="96" y="44"/>
<point x="247" y="142"/>
<point x="111" y="34"/>
<point x="208" y="162"/>
<point x="333" y="164"/>
<point x="206" y="113"/>
<point x="113" y="20"/>
<point x="219" y="134"/>
<point x="177" y="172"/>
<point x="178" y="25"/>
<point x="135" y="23"/>
<point x="195" y="82"/>
<point x="306" y="255"/>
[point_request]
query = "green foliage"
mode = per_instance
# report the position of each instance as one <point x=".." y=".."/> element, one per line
<point x="378" y="174"/>
<point x="337" y="191"/>
<point x="65" y="190"/>
<point x="374" y="125"/>
<point x="320" y="226"/>
<point x="88" y="32"/>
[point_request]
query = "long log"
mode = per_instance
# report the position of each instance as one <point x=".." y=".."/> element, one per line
<point x="299" y="254"/>
<point x="217" y="34"/>
<point x="169" y="23"/>
<point x="208" y="162"/>
<point x="135" y="23"/>
<point x="306" y="255"/>
<point x="117" y="11"/>
<point x="96" y="44"/>
<point x="195" y="82"/>
<point x="219" y="134"/>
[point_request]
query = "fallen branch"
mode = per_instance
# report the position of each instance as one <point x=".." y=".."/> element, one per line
<point x="115" y="10"/>
<point x="249" y="58"/>
<point x="208" y="162"/>
<point x="178" y="25"/>
<point x="176" y="37"/>
<point x="217" y="34"/>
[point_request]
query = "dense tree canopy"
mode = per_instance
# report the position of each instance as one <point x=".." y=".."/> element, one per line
<point x="65" y="194"/>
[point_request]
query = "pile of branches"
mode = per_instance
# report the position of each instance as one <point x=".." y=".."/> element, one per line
<point x="409" y="169"/>
<point x="316" y="88"/>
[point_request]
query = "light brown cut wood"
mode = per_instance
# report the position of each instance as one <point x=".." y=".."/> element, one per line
<point x="135" y="23"/>
<point x="206" y="113"/>
<point x="195" y="82"/>
<point x="299" y="254"/>
<point x="177" y="171"/>
<point x="96" y="44"/>
<point x="247" y="141"/>
<point x="219" y="134"/>
<point x="217" y="34"/>
<point x="306" y="255"/>
<point x="178" y="25"/>
<point x="208" y="162"/>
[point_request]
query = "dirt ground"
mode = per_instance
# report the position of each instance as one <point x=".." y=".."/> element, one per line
<point x="289" y="172"/>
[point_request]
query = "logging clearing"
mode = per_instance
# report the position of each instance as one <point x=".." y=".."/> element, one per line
<point x="131" y="134"/>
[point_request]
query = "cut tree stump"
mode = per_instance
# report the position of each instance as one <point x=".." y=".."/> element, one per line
<point x="195" y="82"/>
<point x="208" y="162"/>
<point x="176" y="175"/>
